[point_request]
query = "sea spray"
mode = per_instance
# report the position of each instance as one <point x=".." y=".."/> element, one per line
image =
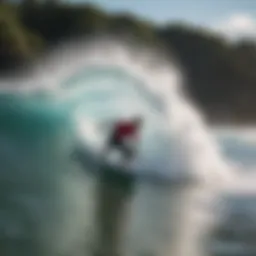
<point x="104" y="67"/>
<point x="83" y="69"/>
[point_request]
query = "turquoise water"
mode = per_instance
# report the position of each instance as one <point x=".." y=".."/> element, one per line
<point x="39" y="185"/>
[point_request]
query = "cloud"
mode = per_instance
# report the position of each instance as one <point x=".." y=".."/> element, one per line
<point x="237" y="26"/>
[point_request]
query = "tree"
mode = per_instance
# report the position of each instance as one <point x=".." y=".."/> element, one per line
<point x="17" y="43"/>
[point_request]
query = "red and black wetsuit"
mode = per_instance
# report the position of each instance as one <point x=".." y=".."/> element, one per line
<point x="122" y="131"/>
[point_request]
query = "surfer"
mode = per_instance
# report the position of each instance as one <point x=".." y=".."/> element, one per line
<point x="115" y="187"/>
<point x="124" y="137"/>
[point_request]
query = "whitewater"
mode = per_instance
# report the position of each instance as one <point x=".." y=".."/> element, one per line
<point x="68" y="98"/>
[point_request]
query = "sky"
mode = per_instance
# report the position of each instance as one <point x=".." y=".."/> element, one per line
<point x="233" y="18"/>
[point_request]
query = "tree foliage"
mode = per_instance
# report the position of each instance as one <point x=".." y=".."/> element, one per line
<point x="16" y="41"/>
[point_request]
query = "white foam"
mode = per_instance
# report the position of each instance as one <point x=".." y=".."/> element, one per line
<point x="161" y="82"/>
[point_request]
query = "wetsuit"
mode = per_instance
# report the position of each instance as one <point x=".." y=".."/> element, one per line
<point x="121" y="132"/>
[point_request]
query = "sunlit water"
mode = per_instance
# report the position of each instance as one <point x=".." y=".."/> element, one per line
<point x="47" y="200"/>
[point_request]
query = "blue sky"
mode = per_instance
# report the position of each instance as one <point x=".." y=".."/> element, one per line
<point x="232" y="17"/>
